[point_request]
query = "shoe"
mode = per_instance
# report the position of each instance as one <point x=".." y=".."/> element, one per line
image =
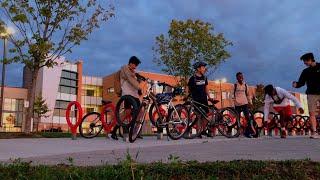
<point x="283" y="134"/>
<point x="114" y="136"/>
<point x="315" y="136"/>
<point x="248" y="135"/>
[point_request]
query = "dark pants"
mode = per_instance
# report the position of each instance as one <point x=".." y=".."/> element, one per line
<point x="246" y="113"/>
<point x="127" y="105"/>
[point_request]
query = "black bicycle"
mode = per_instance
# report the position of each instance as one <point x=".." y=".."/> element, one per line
<point x="226" y="120"/>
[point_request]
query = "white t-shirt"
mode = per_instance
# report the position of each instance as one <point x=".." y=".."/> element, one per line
<point x="282" y="94"/>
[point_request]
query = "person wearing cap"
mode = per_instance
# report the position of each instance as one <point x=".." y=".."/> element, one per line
<point x="310" y="77"/>
<point x="198" y="86"/>
<point x="280" y="99"/>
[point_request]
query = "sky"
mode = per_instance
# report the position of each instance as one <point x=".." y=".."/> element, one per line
<point x="268" y="37"/>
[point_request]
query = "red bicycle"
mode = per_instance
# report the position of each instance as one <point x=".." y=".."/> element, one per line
<point x="93" y="122"/>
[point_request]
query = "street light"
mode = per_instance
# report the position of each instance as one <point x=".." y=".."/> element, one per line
<point x="4" y="35"/>
<point x="220" y="81"/>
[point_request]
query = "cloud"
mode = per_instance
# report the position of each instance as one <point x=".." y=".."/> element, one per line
<point x="268" y="36"/>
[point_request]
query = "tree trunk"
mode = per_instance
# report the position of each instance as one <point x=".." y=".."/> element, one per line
<point x="31" y="98"/>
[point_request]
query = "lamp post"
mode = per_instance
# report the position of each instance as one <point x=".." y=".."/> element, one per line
<point x="220" y="81"/>
<point x="4" y="35"/>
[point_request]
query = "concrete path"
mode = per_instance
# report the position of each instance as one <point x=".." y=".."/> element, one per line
<point x="99" y="151"/>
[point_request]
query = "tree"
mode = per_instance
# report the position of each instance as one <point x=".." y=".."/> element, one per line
<point x="258" y="100"/>
<point x="40" y="108"/>
<point x="187" y="42"/>
<point x="47" y="30"/>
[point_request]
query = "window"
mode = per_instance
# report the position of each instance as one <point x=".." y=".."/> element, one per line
<point x="89" y="110"/>
<point x="67" y="90"/>
<point x="61" y="104"/>
<point x="110" y="90"/>
<point x="68" y="82"/>
<point x="90" y="92"/>
<point x="60" y="112"/>
<point x="68" y="74"/>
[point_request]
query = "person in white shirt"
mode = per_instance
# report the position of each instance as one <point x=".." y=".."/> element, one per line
<point x="280" y="99"/>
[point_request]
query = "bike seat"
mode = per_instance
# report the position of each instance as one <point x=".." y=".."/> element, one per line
<point x="104" y="102"/>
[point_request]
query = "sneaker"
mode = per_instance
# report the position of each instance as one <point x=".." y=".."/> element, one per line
<point x="315" y="136"/>
<point x="114" y="136"/>
<point x="283" y="134"/>
<point x="247" y="135"/>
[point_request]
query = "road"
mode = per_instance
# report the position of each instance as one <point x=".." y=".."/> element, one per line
<point x="98" y="151"/>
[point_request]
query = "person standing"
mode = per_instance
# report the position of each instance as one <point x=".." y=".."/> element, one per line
<point x="129" y="86"/>
<point x="310" y="77"/>
<point x="243" y="102"/>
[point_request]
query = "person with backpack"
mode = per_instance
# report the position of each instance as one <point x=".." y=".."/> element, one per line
<point x="311" y="77"/>
<point x="280" y="99"/>
<point x="127" y="84"/>
<point x="198" y="87"/>
<point x="243" y="102"/>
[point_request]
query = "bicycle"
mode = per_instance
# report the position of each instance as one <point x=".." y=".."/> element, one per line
<point x="93" y="122"/>
<point x="296" y="122"/>
<point x="257" y="120"/>
<point x="175" y="121"/>
<point x="225" y="120"/>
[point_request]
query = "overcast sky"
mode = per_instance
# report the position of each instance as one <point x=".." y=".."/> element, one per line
<point x="269" y="36"/>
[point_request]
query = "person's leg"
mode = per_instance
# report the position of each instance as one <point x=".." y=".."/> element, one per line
<point x="312" y="104"/>
<point x="249" y="119"/>
<point x="138" y="104"/>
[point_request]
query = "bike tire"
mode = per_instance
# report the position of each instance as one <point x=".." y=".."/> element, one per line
<point x="228" y="120"/>
<point x="136" y="125"/>
<point x="85" y="120"/>
<point x="124" y="119"/>
<point x="178" y="130"/>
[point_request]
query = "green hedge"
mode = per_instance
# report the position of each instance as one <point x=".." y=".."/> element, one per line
<point x="175" y="170"/>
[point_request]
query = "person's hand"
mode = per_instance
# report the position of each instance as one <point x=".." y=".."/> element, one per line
<point x="250" y="106"/>
<point x="301" y="111"/>
<point x="294" y="84"/>
<point x="140" y="92"/>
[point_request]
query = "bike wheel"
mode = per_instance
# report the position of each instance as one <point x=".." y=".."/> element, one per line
<point x="137" y="124"/>
<point x="154" y="115"/>
<point x="299" y="123"/>
<point x="177" y="122"/>
<point x="126" y="110"/>
<point x="228" y="123"/>
<point x="196" y="126"/>
<point x="258" y="118"/>
<point x="91" y="125"/>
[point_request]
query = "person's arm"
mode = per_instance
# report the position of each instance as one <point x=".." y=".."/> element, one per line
<point x="290" y="97"/>
<point x="207" y="89"/>
<point x="267" y="103"/>
<point x="249" y="98"/>
<point x="302" y="80"/>
<point x="126" y="74"/>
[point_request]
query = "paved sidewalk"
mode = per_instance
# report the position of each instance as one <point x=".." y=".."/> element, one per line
<point x="100" y="150"/>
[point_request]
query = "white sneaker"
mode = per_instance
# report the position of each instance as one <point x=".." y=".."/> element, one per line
<point x="315" y="136"/>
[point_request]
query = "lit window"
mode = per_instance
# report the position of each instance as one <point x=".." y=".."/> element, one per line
<point x="110" y="90"/>
<point x="90" y="92"/>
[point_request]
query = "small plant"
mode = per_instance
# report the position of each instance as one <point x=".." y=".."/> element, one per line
<point x="174" y="159"/>
<point x="70" y="160"/>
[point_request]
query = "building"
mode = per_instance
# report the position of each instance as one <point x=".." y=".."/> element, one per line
<point x="13" y="114"/>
